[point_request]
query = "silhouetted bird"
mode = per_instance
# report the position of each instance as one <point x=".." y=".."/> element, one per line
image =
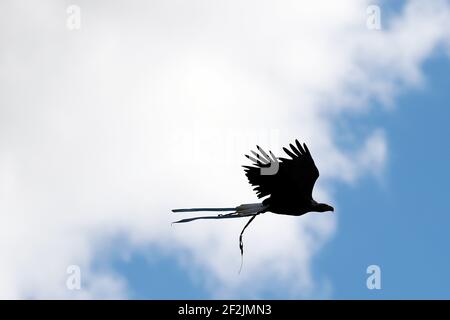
<point x="288" y="183"/>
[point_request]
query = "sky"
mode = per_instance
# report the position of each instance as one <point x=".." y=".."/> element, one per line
<point x="111" y="118"/>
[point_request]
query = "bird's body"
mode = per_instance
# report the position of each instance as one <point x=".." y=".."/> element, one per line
<point x="297" y="209"/>
<point x="289" y="187"/>
<point x="286" y="184"/>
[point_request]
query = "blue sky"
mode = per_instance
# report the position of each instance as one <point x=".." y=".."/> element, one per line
<point x="399" y="222"/>
<point x="109" y="118"/>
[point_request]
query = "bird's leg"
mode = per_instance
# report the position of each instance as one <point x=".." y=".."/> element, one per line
<point x="228" y="214"/>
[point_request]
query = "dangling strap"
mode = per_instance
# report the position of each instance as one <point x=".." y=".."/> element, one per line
<point x="241" y="244"/>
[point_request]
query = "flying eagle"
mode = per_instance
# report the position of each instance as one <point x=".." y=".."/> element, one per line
<point x="288" y="183"/>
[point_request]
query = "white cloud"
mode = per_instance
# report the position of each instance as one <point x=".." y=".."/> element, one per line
<point x="150" y="106"/>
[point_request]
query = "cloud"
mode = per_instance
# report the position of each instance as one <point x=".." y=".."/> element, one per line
<point x="105" y="128"/>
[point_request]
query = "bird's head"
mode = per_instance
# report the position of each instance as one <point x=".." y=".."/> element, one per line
<point x="323" y="207"/>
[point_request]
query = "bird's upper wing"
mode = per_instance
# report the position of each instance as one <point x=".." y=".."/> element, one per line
<point x="283" y="177"/>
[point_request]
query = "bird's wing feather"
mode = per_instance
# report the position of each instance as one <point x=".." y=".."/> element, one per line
<point x="295" y="176"/>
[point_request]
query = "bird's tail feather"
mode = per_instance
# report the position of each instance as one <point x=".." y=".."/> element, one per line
<point x="203" y="209"/>
<point x="244" y="210"/>
<point x="251" y="208"/>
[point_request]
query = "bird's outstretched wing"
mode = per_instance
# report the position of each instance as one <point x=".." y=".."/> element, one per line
<point x="283" y="178"/>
